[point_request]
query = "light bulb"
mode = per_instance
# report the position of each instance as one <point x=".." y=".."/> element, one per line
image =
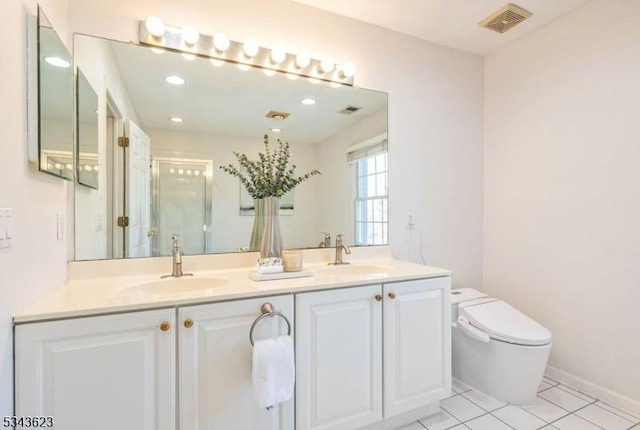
<point x="250" y="48"/>
<point x="69" y="166"/>
<point x="176" y="119"/>
<point x="188" y="57"/>
<point x="221" y="42"/>
<point x="190" y="35"/>
<point x="303" y="60"/>
<point x="174" y="80"/>
<point x="58" y="166"/>
<point x="155" y="26"/>
<point x="188" y="172"/>
<point x="172" y="170"/>
<point x="308" y="101"/>
<point x="278" y="55"/>
<point x="326" y="65"/>
<point x="95" y="168"/>
<point x="180" y="171"/>
<point x="196" y="172"/>
<point x="88" y="168"/>
<point x="348" y="70"/>
<point x="58" y="62"/>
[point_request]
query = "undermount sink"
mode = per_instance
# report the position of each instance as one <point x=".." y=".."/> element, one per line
<point x="176" y="285"/>
<point x="356" y="269"/>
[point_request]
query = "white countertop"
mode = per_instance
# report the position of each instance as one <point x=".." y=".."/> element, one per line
<point x="85" y="295"/>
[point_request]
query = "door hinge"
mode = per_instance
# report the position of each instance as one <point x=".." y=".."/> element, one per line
<point x="123" y="221"/>
<point x="123" y="141"/>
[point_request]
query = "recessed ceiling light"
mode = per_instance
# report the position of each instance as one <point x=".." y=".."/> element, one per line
<point x="308" y="101"/>
<point x="176" y="119"/>
<point x="57" y="61"/>
<point x="174" y="80"/>
<point x="276" y="130"/>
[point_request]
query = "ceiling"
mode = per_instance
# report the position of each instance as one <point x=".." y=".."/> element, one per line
<point x="452" y="23"/>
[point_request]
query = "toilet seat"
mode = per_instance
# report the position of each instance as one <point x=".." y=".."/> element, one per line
<point x="503" y="322"/>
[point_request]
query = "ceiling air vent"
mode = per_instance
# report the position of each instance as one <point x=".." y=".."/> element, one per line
<point x="505" y="18"/>
<point x="274" y="114"/>
<point x="349" y="110"/>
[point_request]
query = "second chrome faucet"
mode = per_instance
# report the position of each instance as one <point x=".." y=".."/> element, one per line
<point x="339" y="249"/>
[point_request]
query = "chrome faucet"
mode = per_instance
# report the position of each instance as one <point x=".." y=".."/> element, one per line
<point x="176" y="272"/>
<point x="326" y="243"/>
<point x="339" y="248"/>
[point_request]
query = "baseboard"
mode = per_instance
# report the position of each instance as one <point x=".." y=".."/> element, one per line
<point x="610" y="397"/>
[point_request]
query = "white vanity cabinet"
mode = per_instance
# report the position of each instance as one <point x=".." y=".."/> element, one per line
<point x="119" y="371"/>
<point x="215" y="390"/>
<point x="100" y="373"/>
<point x="368" y="354"/>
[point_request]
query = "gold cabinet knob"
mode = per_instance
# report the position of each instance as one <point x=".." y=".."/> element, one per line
<point x="165" y="326"/>
<point x="392" y="295"/>
<point x="378" y="297"/>
<point x="188" y="323"/>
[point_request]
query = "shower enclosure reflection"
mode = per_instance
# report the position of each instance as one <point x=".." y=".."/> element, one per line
<point x="181" y="205"/>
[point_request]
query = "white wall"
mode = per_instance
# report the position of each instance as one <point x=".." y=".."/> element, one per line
<point x="435" y="106"/>
<point x="37" y="261"/>
<point x="562" y="190"/>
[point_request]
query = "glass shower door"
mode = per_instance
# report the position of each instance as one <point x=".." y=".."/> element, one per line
<point x="181" y="205"/>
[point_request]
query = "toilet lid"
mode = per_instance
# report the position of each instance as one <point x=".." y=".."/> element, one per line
<point x="503" y="322"/>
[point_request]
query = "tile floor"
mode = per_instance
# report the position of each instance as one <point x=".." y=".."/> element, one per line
<point x="557" y="407"/>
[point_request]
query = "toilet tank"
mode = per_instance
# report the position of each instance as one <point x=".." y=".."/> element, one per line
<point x="463" y="295"/>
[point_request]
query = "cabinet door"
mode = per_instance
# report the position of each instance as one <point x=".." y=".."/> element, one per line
<point x="417" y="351"/>
<point x="215" y="387"/>
<point x="100" y="373"/>
<point x="339" y="358"/>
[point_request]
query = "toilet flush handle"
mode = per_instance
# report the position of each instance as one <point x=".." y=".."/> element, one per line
<point x="471" y="331"/>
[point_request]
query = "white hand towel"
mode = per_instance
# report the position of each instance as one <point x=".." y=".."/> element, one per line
<point x="273" y="371"/>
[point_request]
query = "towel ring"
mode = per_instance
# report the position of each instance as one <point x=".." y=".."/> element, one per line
<point x="268" y="311"/>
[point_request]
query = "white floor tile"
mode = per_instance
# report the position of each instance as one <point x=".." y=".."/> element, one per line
<point x="572" y="422"/>
<point x="550" y="381"/>
<point x="461" y="408"/>
<point x="459" y="386"/>
<point x="546" y="411"/>
<point x="412" y="426"/>
<point x="577" y="393"/>
<point x="616" y="411"/>
<point x="440" y="421"/>
<point x="605" y="419"/>
<point x="487" y="422"/>
<point x="518" y="418"/>
<point x="543" y="386"/>
<point x="485" y="402"/>
<point x="460" y="427"/>
<point x="563" y="398"/>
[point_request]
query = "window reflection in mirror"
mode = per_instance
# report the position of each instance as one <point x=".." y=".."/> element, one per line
<point x="86" y="132"/>
<point x="55" y="102"/>
<point x="222" y="109"/>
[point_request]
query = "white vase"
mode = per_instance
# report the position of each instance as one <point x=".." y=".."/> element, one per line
<point x="272" y="237"/>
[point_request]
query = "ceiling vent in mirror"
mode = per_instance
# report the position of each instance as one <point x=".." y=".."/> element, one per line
<point x="349" y="110"/>
<point x="505" y="18"/>
<point x="274" y="114"/>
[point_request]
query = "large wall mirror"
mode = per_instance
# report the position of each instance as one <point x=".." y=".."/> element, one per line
<point x="184" y="117"/>
<point x="55" y="102"/>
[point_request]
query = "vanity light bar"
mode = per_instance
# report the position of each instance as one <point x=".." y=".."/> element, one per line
<point x="247" y="53"/>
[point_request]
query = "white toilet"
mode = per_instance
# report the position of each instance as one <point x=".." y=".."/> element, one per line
<point x="496" y="348"/>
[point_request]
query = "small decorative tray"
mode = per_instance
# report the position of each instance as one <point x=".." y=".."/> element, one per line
<point x="254" y="275"/>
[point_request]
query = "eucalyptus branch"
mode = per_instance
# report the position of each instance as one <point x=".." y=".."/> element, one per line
<point x="270" y="175"/>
